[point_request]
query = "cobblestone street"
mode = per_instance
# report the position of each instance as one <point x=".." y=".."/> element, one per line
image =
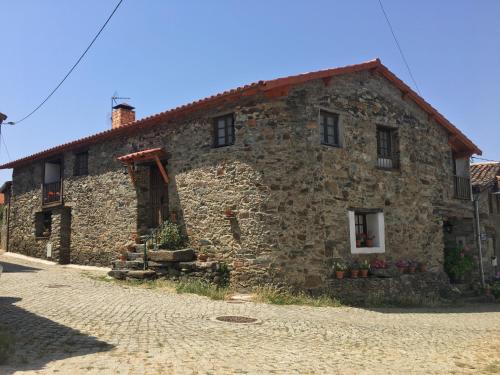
<point x="67" y="323"/>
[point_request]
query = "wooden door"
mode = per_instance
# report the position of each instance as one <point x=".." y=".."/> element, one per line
<point x="158" y="197"/>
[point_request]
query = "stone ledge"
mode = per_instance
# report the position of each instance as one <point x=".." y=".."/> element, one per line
<point x="184" y="255"/>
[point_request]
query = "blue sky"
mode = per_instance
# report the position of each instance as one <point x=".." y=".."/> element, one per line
<point x="166" y="53"/>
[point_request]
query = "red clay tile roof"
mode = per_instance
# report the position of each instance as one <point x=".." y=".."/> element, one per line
<point x="275" y="87"/>
<point x="485" y="175"/>
<point x="141" y="155"/>
<point x="2" y="198"/>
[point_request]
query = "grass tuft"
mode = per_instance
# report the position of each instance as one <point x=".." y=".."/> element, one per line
<point x="276" y="296"/>
<point x="201" y="288"/>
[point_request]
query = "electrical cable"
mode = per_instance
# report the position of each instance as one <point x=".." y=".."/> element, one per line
<point x="399" y="47"/>
<point x="72" y="68"/>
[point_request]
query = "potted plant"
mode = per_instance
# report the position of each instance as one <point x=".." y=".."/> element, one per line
<point x="359" y="239"/>
<point x="412" y="266"/>
<point x="364" y="266"/>
<point x="402" y="265"/>
<point x="354" y="270"/>
<point x="339" y="267"/>
<point x="369" y="240"/>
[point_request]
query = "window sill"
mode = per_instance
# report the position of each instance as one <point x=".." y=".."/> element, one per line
<point x="331" y="145"/>
<point x="368" y="250"/>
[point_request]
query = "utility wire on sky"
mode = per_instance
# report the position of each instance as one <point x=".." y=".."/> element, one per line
<point x="72" y="68"/>
<point x="399" y="46"/>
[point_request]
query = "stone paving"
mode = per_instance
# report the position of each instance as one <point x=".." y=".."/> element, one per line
<point x="67" y="323"/>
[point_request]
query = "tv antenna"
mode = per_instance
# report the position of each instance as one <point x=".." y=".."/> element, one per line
<point x="114" y="102"/>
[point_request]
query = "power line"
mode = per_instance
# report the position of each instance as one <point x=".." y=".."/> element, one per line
<point x="483" y="159"/>
<point x="5" y="146"/>
<point x="72" y="68"/>
<point x="399" y="47"/>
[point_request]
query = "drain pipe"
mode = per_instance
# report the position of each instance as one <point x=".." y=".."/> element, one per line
<point x="478" y="236"/>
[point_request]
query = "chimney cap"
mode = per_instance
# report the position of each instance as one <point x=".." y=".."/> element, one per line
<point x="124" y="106"/>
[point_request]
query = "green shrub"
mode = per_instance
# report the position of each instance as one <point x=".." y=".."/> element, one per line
<point x="170" y="236"/>
<point x="458" y="261"/>
<point x="495" y="290"/>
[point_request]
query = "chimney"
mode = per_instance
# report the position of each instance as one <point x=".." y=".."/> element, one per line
<point x="123" y="113"/>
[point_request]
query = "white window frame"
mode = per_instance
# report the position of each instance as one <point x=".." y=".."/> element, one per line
<point x="376" y="225"/>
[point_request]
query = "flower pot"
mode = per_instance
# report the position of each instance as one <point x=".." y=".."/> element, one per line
<point x="402" y="269"/>
<point x="339" y="274"/>
<point x="202" y="257"/>
<point x="363" y="273"/>
<point x="412" y="269"/>
<point x="368" y="243"/>
<point x="358" y="243"/>
<point x="354" y="274"/>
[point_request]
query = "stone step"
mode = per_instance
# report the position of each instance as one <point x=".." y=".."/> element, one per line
<point x="129" y="264"/>
<point x="134" y="256"/>
<point x="139" y="248"/>
<point x="144" y="274"/>
<point x="122" y="274"/>
<point x="184" y="255"/>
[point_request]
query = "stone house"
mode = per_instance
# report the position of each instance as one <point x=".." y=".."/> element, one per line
<point x="308" y="163"/>
<point x="485" y="179"/>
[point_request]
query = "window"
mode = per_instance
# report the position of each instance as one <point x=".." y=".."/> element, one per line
<point x="329" y="128"/>
<point x="386" y="148"/>
<point x="361" y="224"/>
<point x="366" y="231"/>
<point x="81" y="164"/>
<point x="43" y="224"/>
<point x="224" y="131"/>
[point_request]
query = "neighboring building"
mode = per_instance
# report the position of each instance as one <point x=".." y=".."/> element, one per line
<point x="307" y="162"/>
<point x="486" y="183"/>
<point x="4" y="213"/>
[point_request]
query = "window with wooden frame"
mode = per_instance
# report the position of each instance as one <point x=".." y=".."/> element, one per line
<point x="224" y="130"/>
<point x="81" y="167"/>
<point x="329" y="128"/>
<point x="387" y="148"/>
<point x="360" y="223"/>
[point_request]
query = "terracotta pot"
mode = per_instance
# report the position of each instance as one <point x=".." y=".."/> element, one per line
<point x="412" y="269"/>
<point x="202" y="257"/>
<point x="358" y="243"/>
<point x="339" y="274"/>
<point x="354" y="274"/>
<point x="368" y="243"/>
<point x="363" y="273"/>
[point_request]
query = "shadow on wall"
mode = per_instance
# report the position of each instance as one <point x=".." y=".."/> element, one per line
<point x="38" y="341"/>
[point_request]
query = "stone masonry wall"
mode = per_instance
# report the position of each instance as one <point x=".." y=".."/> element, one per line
<point x="291" y="193"/>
